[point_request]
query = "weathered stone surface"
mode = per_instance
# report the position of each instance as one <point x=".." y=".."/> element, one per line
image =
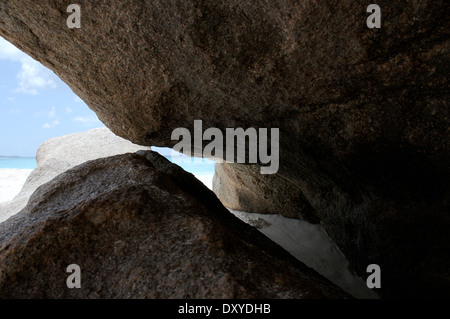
<point x="140" y="227"/>
<point x="59" y="154"/>
<point x="243" y="188"/>
<point x="148" y="67"/>
<point x="363" y="113"/>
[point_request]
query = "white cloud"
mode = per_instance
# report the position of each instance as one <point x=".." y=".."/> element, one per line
<point x="54" y="120"/>
<point x="68" y="110"/>
<point x="40" y="113"/>
<point x="50" y="125"/>
<point x="52" y="113"/>
<point x="32" y="76"/>
<point x="87" y="120"/>
<point x="10" y="52"/>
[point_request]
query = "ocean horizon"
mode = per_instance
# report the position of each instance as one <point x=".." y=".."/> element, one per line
<point x="17" y="162"/>
<point x="196" y="166"/>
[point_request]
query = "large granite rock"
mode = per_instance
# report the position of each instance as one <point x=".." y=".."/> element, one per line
<point x="363" y="113"/>
<point x="141" y="227"/>
<point x="59" y="154"/>
<point x="148" y="67"/>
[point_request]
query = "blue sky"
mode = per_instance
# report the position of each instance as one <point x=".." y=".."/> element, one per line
<point x="35" y="104"/>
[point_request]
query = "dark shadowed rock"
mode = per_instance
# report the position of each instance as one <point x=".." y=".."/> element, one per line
<point x="363" y="113"/>
<point x="408" y="238"/>
<point x="141" y="228"/>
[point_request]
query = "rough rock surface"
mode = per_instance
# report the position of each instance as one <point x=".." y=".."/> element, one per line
<point x="141" y="227"/>
<point x="363" y="113"/>
<point x="253" y="192"/>
<point x="59" y="154"/>
<point x="408" y="238"/>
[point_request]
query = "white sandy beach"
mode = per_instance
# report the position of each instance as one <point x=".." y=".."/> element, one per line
<point x="11" y="182"/>
<point x="310" y="244"/>
<point x="205" y="179"/>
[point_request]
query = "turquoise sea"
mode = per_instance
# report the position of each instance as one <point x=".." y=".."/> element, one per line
<point x="18" y="162"/>
<point x="196" y="166"/>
